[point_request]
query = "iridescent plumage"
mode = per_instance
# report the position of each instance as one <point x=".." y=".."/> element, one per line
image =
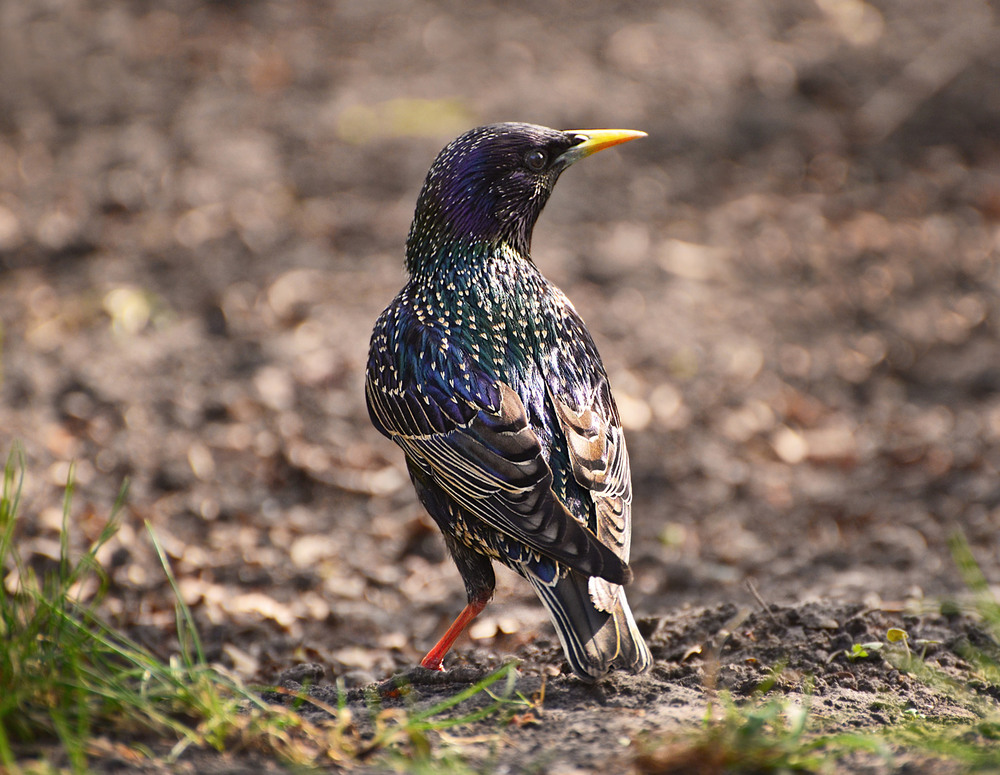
<point x="484" y="374"/>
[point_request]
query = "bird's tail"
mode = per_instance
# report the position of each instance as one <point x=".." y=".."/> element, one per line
<point x="593" y="640"/>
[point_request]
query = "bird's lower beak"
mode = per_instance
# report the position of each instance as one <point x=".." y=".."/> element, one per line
<point x="594" y="140"/>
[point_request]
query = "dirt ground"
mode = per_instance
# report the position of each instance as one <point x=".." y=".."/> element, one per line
<point x="793" y="282"/>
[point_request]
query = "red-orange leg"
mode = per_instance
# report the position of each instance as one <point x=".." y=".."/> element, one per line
<point x="434" y="657"/>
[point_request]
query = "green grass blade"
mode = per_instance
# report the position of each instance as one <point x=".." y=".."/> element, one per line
<point x="187" y="632"/>
<point x="987" y="604"/>
<point x="65" y="573"/>
<point x="10" y="500"/>
<point x="465" y="694"/>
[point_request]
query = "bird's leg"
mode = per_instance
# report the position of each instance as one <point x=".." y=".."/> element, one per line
<point x="434" y="657"/>
<point x="477" y="574"/>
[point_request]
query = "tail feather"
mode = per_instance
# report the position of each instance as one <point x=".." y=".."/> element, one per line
<point x="593" y="640"/>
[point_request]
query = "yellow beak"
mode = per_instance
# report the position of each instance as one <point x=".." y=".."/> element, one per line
<point x="594" y="140"/>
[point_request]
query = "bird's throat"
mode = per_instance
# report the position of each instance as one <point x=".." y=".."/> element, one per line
<point x="489" y="296"/>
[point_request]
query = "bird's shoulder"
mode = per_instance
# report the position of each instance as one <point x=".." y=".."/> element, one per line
<point x="422" y="377"/>
<point x="574" y="372"/>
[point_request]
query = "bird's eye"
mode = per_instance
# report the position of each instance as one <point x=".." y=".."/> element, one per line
<point x="535" y="160"/>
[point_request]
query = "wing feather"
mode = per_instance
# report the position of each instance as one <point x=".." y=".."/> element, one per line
<point x="480" y="450"/>
<point x="588" y="418"/>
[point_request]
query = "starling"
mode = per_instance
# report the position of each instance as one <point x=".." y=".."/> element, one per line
<point x="486" y="376"/>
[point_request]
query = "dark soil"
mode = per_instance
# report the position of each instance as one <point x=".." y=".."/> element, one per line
<point x="793" y="282"/>
<point x="803" y="654"/>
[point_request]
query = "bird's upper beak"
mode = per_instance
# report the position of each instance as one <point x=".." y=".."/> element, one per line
<point x="594" y="140"/>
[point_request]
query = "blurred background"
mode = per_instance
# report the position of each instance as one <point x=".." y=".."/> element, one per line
<point x="793" y="282"/>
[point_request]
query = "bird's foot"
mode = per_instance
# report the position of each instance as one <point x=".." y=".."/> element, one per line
<point x="431" y="662"/>
<point x="403" y="683"/>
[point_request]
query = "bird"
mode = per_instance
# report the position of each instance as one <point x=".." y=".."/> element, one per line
<point x="485" y="375"/>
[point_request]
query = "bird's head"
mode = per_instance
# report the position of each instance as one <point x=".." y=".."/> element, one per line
<point x="491" y="183"/>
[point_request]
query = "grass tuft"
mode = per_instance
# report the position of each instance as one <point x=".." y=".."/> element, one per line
<point x="767" y="734"/>
<point x="975" y="744"/>
<point x="73" y="688"/>
<point x="776" y="735"/>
